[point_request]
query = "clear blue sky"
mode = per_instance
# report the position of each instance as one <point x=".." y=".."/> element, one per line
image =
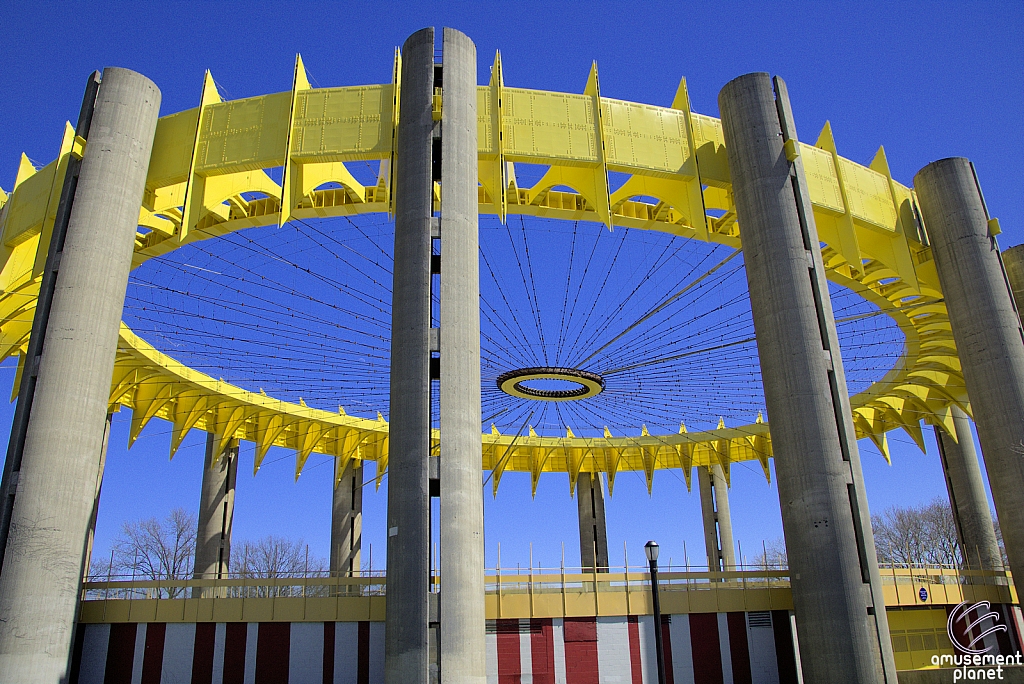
<point x="927" y="80"/>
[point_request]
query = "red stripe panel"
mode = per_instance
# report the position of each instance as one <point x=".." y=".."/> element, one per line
<point x="272" y="642"/>
<point x="785" y="657"/>
<point x="202" y="653"/>
<point x="328" y="653"/>
<point x="76" y="653"/>
<point x="120" y="653"/>
<point x="636" y="665"/>
<point x="580" y="635"/>
<point x="153" y="658"/>
<point x="542" y="648"/>
<point x="234" y="652"/>
<point x="707" y="654"/>
<point x="363" y="667"/>
<point x="739" y="648"/>
<point x="666" y="640"/>
<point x="510" y="668"/>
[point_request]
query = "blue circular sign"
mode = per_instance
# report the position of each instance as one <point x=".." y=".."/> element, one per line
<point x="923" y="594"/>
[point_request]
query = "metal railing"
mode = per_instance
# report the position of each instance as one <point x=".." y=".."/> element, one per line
<point x="523" y="592"/>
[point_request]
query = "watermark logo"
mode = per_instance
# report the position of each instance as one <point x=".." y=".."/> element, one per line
<point x="961" y="614"/>
<point x="971" y="662"/>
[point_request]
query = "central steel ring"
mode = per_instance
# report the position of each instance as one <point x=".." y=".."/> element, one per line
<point x="590" y="384"/>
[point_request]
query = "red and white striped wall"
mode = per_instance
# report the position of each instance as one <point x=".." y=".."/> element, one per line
<point x="230" y="653"/>
<point x="700" y="648"/>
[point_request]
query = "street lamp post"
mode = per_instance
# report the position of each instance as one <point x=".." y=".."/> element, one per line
<point x="651" y="549"/>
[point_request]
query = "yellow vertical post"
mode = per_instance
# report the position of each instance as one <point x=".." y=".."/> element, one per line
<point x="849" y="244"/>
<point x="291" y="178"/>
<point x="695" y="190"/>
<point x="195" y="186"/>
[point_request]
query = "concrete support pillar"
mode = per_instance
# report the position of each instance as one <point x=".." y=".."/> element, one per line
<point x="593" y="529"/>
<point x="837" y="593"/>
<point x="714" y="507"/>
<point x="1013" y="264"/>
<point x="974" y="530"/>
<point x="408" y="560"/>
<point x="216" y="511"/>
<point x="347" y="522"/>
<point x="986" y="329"/>
<point x="56" y="490"/>
<point x="462" y="617"/>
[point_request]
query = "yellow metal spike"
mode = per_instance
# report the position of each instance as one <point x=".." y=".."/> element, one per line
<point x="723" y="451"/>
<point x="492" y="169"/>
<point x="340" y="463"/>
<point x="494" y="430"/>
<point x="269" y="426"/>
<point x="944" y="419"/>
<point x="532" y="433"/>
<point x="302" y="403"/>
<point x="882" y="444"/>
<point x="574" y="463"/>
<point x="759" y="419"/>
<point x="682" y="428"/>
<point x="644" y="432"/>
<point x="607" y="433"/>
<point x="382" y="462"/>
<point x="649" y="455"/>
<point x="396" y="88"/>
<point x="913" y="428"/>
<point x="17" y="375"/>
<point x="380" y="417"/>
<point x="25" y="171"/>
<point x="187" y="412"/>
<point x="291" y="178"/>
<point x="195" y="185"/>
<point x="228" y="422"/>
<point x="538" y="457"/>
<point x="150" y="397"/>
<point x="341" y="411"/>
<point x="721" y="423"/>
<point x="906" y="222"/>
<point x="694" y="188"/>
<point x="685" y="453"/>
<point x="310" y="433"/>
<point x="848" y="244"/>
<point x="568" y="433"/>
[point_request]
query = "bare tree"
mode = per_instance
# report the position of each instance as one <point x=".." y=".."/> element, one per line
<point x="999" y="540"/>
<point x="917" y="535"/>
<point x="275" y="558"/>
<point x="153" y="550"/>
<point x="773" y="555"/>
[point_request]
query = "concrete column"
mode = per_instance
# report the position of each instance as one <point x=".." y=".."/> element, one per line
<point x="714" y="506"/>
<point x="216" y="511"/>
<point x="408" y="561"/>
<point x="462" y="617"/>
<point x="986" y="330"/>
<point x="347" y="522"/>
<point x="974" y="530"/>
<point x="836" y="588"/>
<point x="42" y="573"/>
<point x="1013" y="264"/>
<point x="593" y="529"/>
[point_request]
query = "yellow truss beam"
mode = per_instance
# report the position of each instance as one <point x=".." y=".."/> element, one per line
<point x="208" y="177"/>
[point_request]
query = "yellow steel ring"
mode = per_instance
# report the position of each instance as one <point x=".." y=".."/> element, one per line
<point x="589" y="384"/>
